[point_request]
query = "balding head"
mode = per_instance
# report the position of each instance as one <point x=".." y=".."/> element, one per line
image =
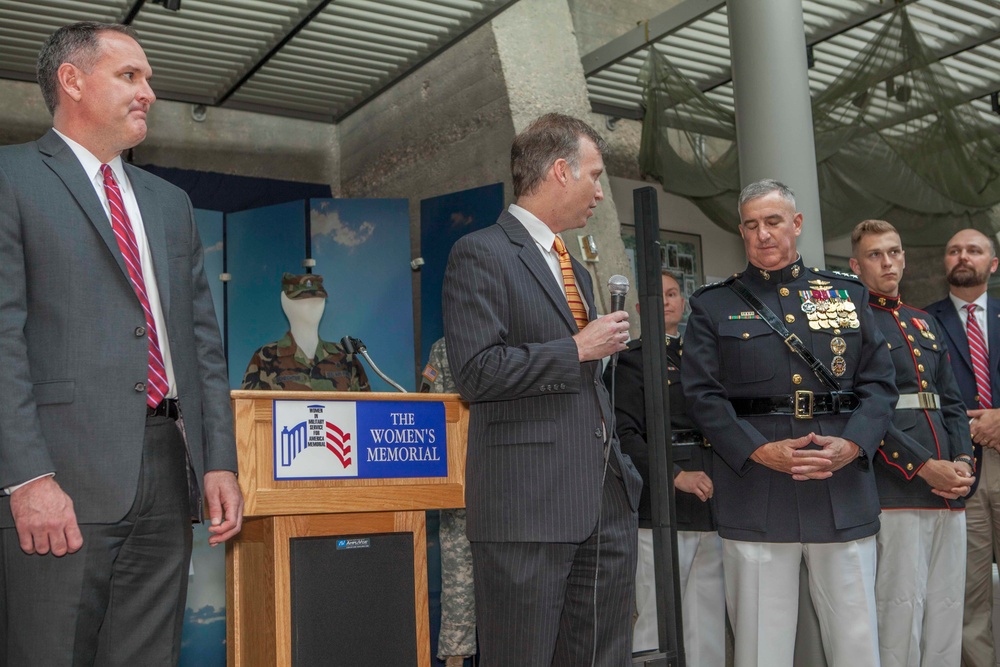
<point x="969" y="261"/>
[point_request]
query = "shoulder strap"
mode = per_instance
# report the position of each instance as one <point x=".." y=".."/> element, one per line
<point x="793" y="342"/>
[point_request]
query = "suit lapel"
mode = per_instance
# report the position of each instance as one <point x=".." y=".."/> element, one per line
<point x="952" y="324"/>
<point x="586" y="287"/>
<point x="537" y="266"/>
<point x="156" y="234"/>
<point x="61" y="160"/>
<point x="993" y="332"/>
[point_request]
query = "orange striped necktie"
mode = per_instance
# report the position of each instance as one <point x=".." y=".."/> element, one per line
<point x="576" y="305"/>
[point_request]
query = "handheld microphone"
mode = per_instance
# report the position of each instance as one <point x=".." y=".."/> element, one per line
<point x="356" y="346"/>
<point x="618" y="286"/>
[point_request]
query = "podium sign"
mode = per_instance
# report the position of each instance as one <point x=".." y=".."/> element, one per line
<point x="347" y="468"/>
<point x="364" y="439"/>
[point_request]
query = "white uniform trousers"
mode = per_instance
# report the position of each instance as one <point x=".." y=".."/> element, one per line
<point x="762" y="594"/>
<point x="920" y="587"/>
<point x="703" y="597"/>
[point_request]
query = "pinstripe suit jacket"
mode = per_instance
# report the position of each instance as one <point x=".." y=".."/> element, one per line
<point x="538" y="416"/>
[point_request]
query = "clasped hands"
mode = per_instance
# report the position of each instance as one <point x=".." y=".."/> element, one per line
<point x="788" y="456"/>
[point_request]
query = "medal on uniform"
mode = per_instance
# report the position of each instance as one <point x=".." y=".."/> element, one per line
<point x="838" y="365"/>
<point x="838" y="345"/>
<point x="807" y="306"/>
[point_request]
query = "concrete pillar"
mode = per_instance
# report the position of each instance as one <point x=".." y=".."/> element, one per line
<point x="774" y="129"/>
<point x="538" y="51"/>
<point x="774" y="134"/>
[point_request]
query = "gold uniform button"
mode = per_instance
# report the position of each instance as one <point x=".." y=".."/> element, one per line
<point x="920" y="367"/>
<point x="902" y="324"/>
<point x="895" y="455"/>
<point x="881" y="443"/>
<point x="909" y="337"/>
<point x="916" y="353"/>
<point x="789" y="318"/>
<point x="836" y="331"/>
<point x="934" y="346"/>
<point x="796" y="379"/>
<point x="909" y="466"/>
<point x="923" y="384"/>
<point x="783" y="291"/>
<point x="745" y="335"/>
<point x="895" y="312"/>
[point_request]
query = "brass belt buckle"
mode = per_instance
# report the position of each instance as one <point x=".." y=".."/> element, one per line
<point x="928" y="400"/>
<point x="794" y="343"/>
<point x="803" y="404"/>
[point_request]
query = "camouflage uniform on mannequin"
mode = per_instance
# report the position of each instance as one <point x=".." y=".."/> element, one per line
<point x="457" y="639"/>
<point x="284" y="364"/>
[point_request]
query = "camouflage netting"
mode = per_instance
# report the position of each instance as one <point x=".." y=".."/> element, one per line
<point x="894" y="140"/>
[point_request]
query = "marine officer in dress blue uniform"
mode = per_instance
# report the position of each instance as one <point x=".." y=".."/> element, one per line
<point x="924" y="470"/>
<point x="795" y="419"/>
<point x="699" y="548"/>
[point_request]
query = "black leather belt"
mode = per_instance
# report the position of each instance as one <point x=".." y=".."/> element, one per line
<point x="686" y="437"/>
<point x="166" y="408"/>
<point x="803" y="404"/>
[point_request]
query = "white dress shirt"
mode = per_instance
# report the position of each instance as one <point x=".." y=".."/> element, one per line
<point x="545" y="240"/>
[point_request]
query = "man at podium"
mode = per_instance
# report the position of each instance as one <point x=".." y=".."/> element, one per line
<point x="550" y="499"/>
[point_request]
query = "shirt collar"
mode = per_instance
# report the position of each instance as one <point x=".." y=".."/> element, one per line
<point x="538" y="230"/>
<point x="92" y="166"/>
<point x="960" y="304"/>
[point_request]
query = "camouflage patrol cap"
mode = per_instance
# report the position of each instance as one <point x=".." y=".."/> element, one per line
<point x="302" y="286"/>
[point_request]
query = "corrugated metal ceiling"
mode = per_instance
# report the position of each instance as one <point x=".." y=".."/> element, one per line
<point x="963" y="34"/>
<point x="312" y="59"/>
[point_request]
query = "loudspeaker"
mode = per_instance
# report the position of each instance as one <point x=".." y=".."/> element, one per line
<point x="352" y="600"/>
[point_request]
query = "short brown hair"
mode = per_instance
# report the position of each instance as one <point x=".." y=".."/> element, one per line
<point x="77" y="43"/>
<point x="548" y="138"/>
<point x="869" y="228"/>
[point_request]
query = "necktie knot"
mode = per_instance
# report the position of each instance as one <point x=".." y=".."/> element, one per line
<point x="560" y="247"/>
<point x="972" y="309"/>
<point x="109" y="176"/>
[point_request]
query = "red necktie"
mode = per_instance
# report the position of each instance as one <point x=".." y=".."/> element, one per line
<point x="569" y="281"/>
<point x="980" y="358"/>
<point x="157" y="386"/>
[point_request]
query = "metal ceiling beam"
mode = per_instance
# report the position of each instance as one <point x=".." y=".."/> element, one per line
<point x="656" y="28"/>
<point x="133" y="11"/>
<point x="274" y="50"/>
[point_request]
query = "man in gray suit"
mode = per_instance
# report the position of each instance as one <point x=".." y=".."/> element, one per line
<point x="110" y="354"/>
<point x="551" y="501"/>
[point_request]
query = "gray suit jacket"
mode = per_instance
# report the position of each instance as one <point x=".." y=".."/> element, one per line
<point x="71" y="352"/>
<point x="538" y="416"/>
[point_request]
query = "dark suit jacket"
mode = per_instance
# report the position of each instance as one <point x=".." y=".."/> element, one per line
<point x="537" y="415"/>
<point x="630" y="424"/>
<point x="961" y="362"/>
<point x="71" y="351"/>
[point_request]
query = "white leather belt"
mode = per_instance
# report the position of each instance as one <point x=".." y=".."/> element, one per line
<point x="923" y="400"/>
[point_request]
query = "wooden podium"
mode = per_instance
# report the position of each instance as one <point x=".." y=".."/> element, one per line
<point x="258" y="566"/>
